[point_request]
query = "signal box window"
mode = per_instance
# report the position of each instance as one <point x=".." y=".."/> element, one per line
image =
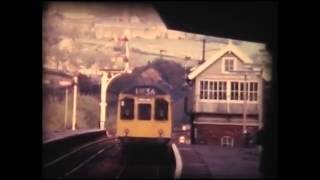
<point x="161" y="109"/>
<point x="144" y="111"/>
<point x="127" y="109"/>
<point x="228" y="65"/>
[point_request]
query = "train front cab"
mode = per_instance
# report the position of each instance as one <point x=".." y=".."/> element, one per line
<point x="144" y="119"/>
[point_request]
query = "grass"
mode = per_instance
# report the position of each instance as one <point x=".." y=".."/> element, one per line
<point x="54" y="113"/>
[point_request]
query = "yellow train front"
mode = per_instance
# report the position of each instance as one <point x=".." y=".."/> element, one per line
<point x="144" y="116"/>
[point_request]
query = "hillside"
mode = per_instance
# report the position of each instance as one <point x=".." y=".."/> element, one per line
<point x="81" y="37"/>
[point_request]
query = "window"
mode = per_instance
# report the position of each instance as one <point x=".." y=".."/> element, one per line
<point x="144" y="111"/>
<point x="227" y="141"/>
<point x="234" y="91"/>
<point x="216" y="90"/>
<point x="204" y="89"/>
<point x="201" y="89"/>
<point x="228" y="64"/>
<point x="211" y="90"/>
<point x="253" y="91"/>
<point x="127" y="109"/>
<point x="239" y="89"/>
<point x="242" y="91"/>
<point x="161" y="109"/>
<point x="222" y="90"/>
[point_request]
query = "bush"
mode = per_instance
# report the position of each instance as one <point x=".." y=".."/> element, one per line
<point x="53" y="115"/>
<point x="88" y="113"/>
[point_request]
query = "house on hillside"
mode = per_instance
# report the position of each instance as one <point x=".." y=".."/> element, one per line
<point x="81" y="22"/>
<point x="226" y="103"/>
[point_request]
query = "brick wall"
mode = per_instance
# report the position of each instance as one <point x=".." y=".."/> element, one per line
<point x="211" y="134"/>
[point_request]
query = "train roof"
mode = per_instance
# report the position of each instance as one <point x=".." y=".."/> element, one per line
<point x="141" y="89"/>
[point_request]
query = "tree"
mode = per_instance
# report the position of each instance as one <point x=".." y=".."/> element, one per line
<point x="86" y="85"/>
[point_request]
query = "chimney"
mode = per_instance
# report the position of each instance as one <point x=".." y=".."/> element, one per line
<point x="203" y="51"/>
<point x="127" y="55"/>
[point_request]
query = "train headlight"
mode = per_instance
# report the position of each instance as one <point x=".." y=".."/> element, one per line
<point x="126" y="131"/>
<point x="160" y="132"/>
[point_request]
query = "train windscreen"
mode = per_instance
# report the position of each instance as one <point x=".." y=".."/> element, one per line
<point x="161" y="109"/>
<point x="144" y="111"/>
<point x="127" y="109"/>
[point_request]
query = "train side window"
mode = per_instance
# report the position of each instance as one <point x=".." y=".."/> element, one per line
<point x="161" y="109"/>
<point x="127" y="108"/>
<point x="144" y="111"/>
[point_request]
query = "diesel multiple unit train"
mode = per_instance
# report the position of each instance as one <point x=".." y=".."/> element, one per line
<point x="144" y="115"/>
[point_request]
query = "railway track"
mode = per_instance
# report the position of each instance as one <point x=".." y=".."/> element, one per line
<point x="148" y="162"/>
<point x="69" y="164"/>
<point x="105" y="158"/>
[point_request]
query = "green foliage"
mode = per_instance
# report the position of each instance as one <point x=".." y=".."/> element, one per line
<point x="54" y="111"/>
<point x="171" y="71"/>
<point x="88" y="108"/>
<point x="53" y="115"/>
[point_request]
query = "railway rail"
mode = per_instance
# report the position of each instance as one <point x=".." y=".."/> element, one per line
<point x="69" y="163"/>
<point x="148" y="162"/>
<point x="106" y="158"/>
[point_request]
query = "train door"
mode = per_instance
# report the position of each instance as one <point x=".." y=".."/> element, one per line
<point x="144" y="106"/>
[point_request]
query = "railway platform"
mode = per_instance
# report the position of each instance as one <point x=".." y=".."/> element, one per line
<point x="208" y="161"/>
<point x="46" y="137"/>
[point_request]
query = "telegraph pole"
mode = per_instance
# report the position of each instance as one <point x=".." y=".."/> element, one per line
<point x="66" y="109"/>
<point x="74" y="113"/>
<point x="127" y="48"/>
<point x="245" y="104"/>
<point x="103" y="103"/>
<point x="260" y="100"/>
<point x="203" y="50"/>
